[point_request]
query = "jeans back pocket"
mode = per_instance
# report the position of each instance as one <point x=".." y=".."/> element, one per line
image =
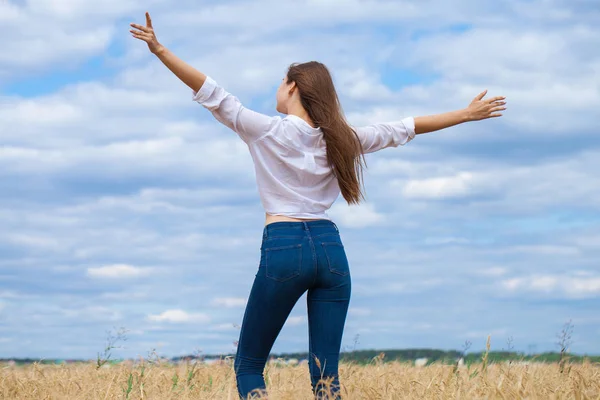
<point x="283" y="262"/>
<point x="336" y="258"/>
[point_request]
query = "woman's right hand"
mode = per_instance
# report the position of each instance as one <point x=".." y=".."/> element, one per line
<point x="482" y="109"/>
<point x="146" y="33"/>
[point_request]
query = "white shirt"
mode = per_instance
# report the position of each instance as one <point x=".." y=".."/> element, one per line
<point x="290" y="160"/>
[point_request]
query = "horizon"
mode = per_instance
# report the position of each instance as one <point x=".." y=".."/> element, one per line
<point x="280" y="355"/>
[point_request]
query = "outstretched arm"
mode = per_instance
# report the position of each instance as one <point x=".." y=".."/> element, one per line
<point x="185" y="72"/>
<point x="225" y="107"/>
<point x="478" y="109"/>
<point x="379" y="136"/>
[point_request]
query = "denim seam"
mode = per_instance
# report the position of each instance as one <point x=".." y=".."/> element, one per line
<point x="313" y="223"/>
<point x="311" y="354"/>
<point x="300" y="237"/>
<point x="329" y="261"/>
<point x="314" y="256"/>
<point x="290" y="246"/>
<point x="239" y="347"/>
<point x="298" y="226"/>
<point x="324" y="234"/>
<point x="286" y="237"/>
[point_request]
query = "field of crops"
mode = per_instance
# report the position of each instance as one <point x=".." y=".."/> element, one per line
<point x="390" y="380"/>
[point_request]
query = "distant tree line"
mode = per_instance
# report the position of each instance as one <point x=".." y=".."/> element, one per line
<point x="368" y="356"/>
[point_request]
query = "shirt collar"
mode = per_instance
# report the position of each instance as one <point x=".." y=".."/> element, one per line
<point x="304" y="126"/>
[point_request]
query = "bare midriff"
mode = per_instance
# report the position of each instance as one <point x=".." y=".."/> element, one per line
<point x="280" y="218"/>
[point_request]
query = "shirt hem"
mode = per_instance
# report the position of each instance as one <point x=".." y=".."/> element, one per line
<point x="302" y="215"/>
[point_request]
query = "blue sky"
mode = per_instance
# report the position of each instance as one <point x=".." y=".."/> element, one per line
<point x="125" y="204"/>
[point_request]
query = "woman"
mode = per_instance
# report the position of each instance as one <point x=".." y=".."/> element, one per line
<point x="302" y="163"/>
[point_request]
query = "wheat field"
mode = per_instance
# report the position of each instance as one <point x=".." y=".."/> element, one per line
<point x="390" y="380"/>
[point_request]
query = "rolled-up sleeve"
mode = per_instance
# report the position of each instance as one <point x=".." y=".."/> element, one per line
<point x="387" y="134"/>
<point x="228" y="110"/>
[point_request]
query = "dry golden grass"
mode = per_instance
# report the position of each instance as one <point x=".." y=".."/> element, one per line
<point x="391" y="380"/>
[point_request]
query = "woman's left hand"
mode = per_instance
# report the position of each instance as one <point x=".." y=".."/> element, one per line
<point x="483" y="109"/>
<point x="146" y="33"/>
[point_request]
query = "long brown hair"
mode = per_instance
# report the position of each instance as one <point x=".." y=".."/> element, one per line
<point x="320" y="100"/>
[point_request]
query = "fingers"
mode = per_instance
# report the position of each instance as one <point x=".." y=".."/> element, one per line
<point x="140" y="38"/>
<point x="141" y="33"/>
<point x="148" y="20"/>
<point x="142" y="28"/>
<point x="497" y="98"/>
<point x="481" y="95"/>
<point x="146" y="37"/>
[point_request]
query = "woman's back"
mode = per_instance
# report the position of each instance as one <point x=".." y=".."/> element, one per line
<point x="292" y="172"/>
<point x="294" y="176"/>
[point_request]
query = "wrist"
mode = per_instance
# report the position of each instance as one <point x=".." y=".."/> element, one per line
<point x="466" y="115"/>
<point x="159" y="50"/>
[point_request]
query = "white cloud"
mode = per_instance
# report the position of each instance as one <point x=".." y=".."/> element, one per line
<point x="33" y="52"/>
<point x="125" y="295"/>
<point x="492" y="271"/>
<point x="494" y="333"/>
<point x="446" y="240"/>
<point x="205" y="336"/>
<point x="182" y="202"/>
<point x="505" y="188"/>
<point x="380" y="112"/>
<point x="11" y="294"/>
<point x="393" y="285"/>
<point x="225" y="327"/>
<point x="307" y="14"/>
<point x="92" y="313"/>
<point x="134" y="159"/>
<point x="34" y="241"/>
<point x="356" y="216"/>
<point x="362" y="85"/>
<point x="118" y="271"/>
<point x="589" y="241"/>
<point x="179" y="316"/>
<point x="228" y="302"/>
<point x="532" y="67"/>
<point x="544" y="250"/>
<point x="360" y="311"/>
<point x="556" y="285"/>
<point x="87" y="113"/>
<point x="45" y="33"/>
<point x="460" y="185"/>
<point x="295" y="321"/>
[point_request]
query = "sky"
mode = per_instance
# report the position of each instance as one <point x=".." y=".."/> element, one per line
<point x="124" y="204"/>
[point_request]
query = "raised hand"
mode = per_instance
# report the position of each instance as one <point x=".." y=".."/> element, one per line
<point x="146" y="33"/>
<point x="482" y="109"/>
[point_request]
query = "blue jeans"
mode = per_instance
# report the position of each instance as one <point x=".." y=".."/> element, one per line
<point x="296" y="257"/>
